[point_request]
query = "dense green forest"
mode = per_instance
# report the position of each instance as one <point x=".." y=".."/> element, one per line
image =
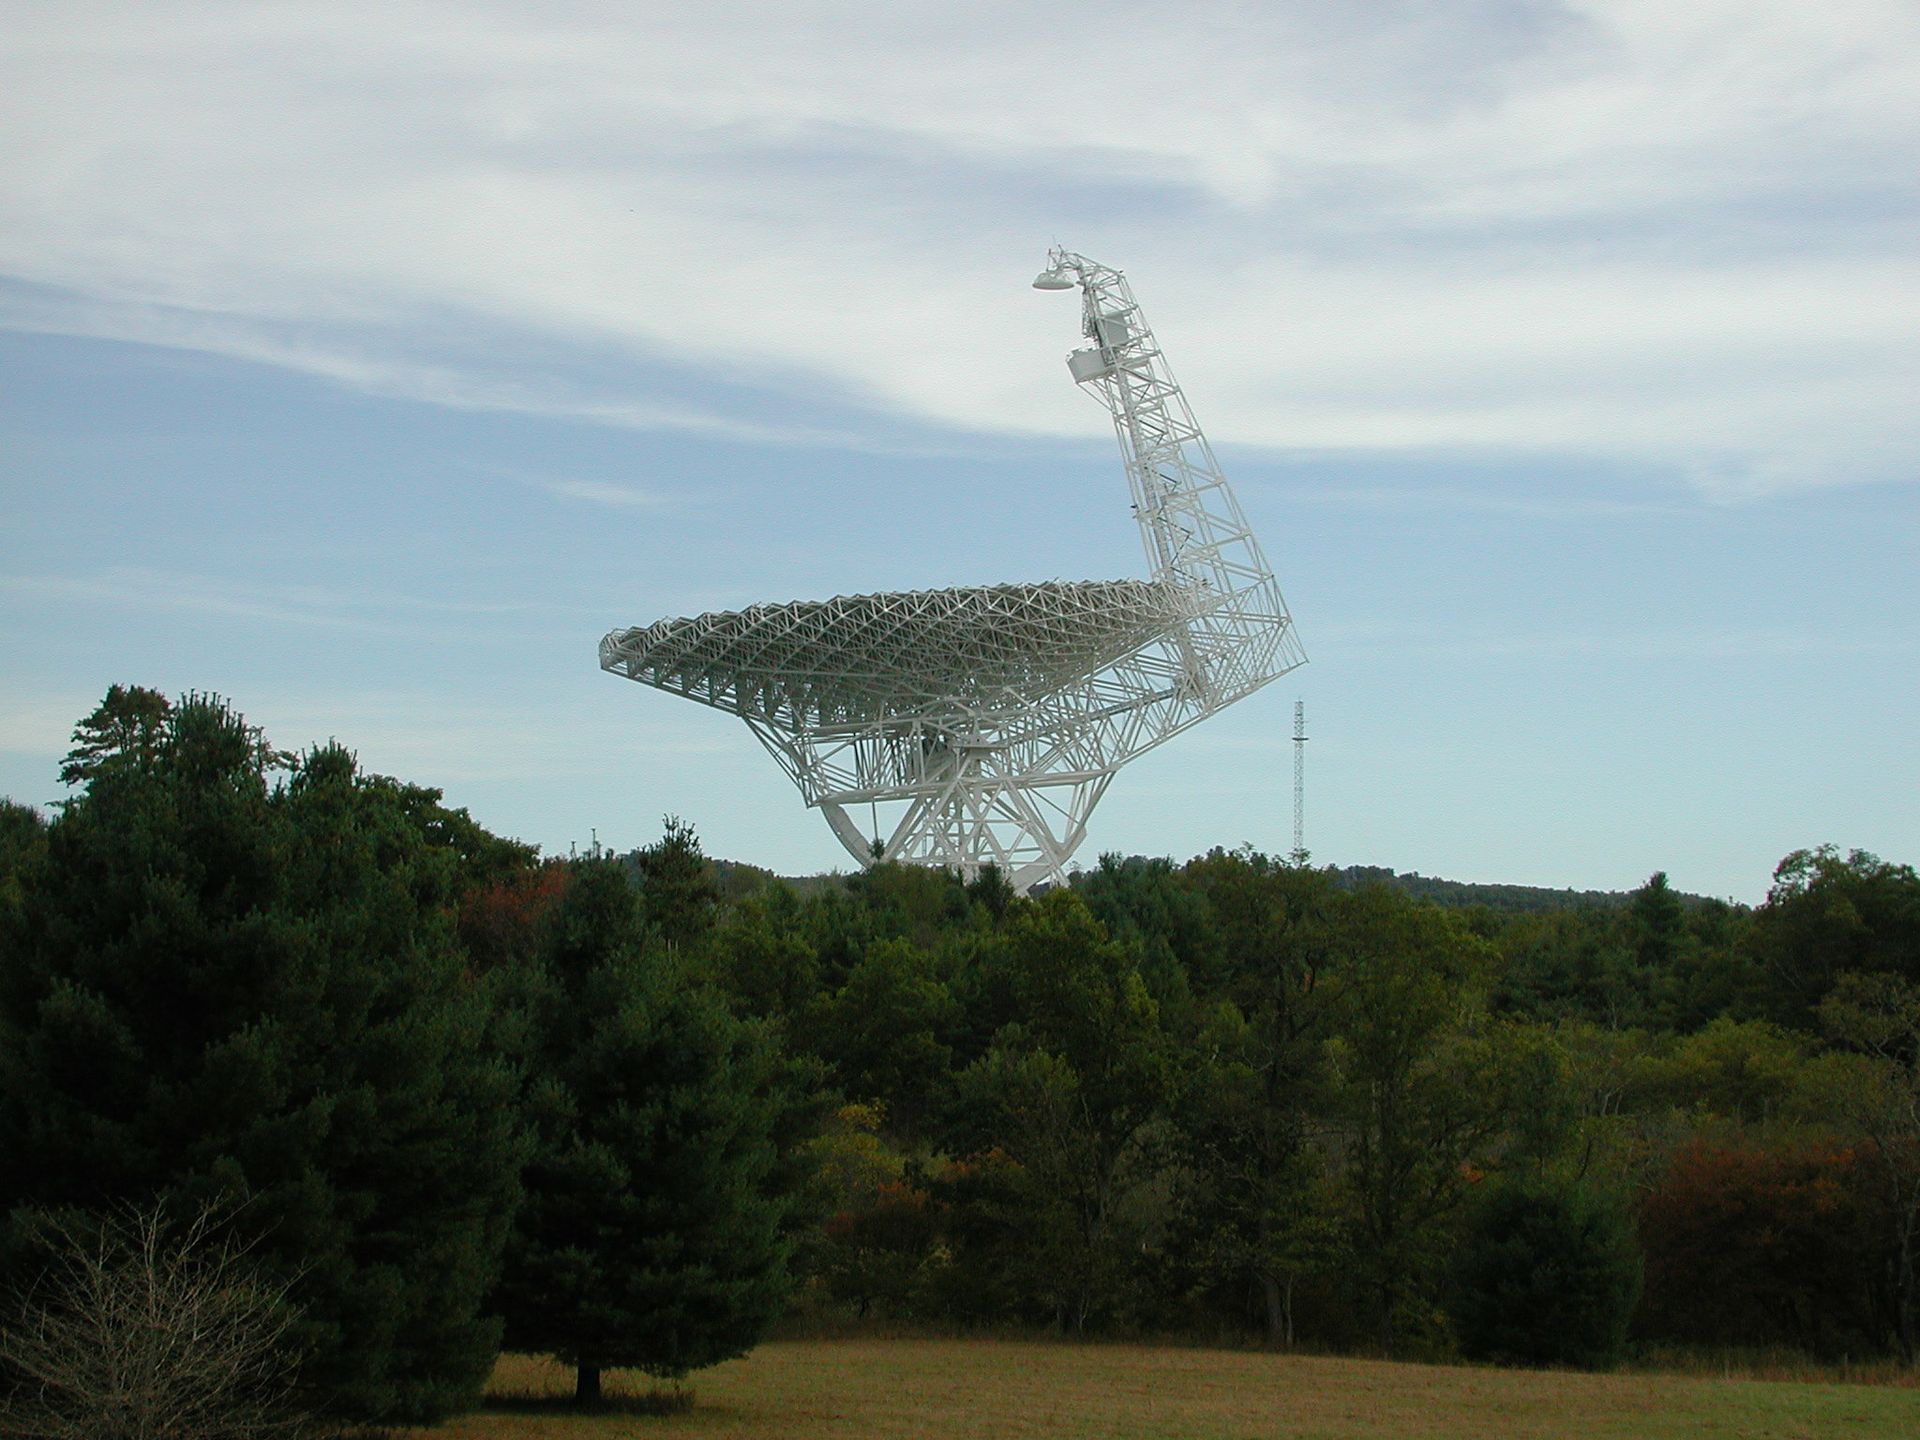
<point x="630" y="1111"/>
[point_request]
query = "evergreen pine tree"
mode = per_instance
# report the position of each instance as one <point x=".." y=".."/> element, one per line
<point x="679" y="897"/>
<point x="651" y="1237"/>
<point x="125" y="731"/>
<point x="221" y="986"/>
<point x="1550" y="1274"/>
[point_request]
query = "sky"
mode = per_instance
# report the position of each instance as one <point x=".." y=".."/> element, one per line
<point x="366" y="363"/>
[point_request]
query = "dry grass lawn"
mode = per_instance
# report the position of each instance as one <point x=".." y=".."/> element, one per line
<point x="893" y="1389"/>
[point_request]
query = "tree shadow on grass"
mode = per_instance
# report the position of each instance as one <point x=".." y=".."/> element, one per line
<point x="661" y="1400"/>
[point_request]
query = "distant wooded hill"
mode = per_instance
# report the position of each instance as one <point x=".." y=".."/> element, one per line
<point x="1494" y="897"/>
<point x="738" y="877"/>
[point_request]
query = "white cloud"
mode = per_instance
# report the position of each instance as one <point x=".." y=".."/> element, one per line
<point x="135" y="589"/>
<point x="1454" y="500"/>
<point x="1625" y="646"/>
<point x="1621" y="227"/>
<point x="600" y="492"/>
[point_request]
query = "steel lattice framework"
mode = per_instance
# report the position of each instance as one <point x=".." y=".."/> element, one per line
<point x="987" y="722"/>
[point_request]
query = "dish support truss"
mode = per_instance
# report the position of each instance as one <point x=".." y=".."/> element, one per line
<point x="981" y="726"/>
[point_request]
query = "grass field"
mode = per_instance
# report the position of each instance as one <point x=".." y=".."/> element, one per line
<point x="894" y="1389"/>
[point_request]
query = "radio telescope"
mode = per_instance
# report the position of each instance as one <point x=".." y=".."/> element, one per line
<point x="980" y="726"/>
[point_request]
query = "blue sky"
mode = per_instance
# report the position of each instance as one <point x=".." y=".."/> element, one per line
<point x="367" y="363"/>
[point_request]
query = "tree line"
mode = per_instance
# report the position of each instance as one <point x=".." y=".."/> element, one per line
<point x="629" y="1111"/>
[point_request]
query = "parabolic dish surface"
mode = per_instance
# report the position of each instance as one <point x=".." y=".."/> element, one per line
<point x="855" y="659"/>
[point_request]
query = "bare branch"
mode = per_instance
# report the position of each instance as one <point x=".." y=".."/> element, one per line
<point x="142" y="1329"/>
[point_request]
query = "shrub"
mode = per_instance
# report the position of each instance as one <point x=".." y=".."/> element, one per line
<point x="1550" y="1274"/>
<point x="142" y="1330"/>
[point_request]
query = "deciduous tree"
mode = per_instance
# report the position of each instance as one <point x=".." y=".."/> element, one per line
<point x="1068" y="1092"/>
<point x="1749" y="1245"/>
<point x="1251" y="1191"/>
<point x="1826" y="916"/>
<point x="1876" y="1089"/>
<point x="1420" y="1093"/>
<point x="883" y="1033"/>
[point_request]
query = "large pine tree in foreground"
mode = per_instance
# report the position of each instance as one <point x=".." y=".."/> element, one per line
<point x="652" y="1232"/>
<point x="222" y="984"/>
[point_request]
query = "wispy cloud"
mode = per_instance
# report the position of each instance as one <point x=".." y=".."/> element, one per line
<point x="364" y="610"/>
<point x="599" y="492"/>
<point x="269" y="340"/>
<point x="1627" y="644"/>
<point x="1681" y="233"/>
<point x="1549" y="505"/>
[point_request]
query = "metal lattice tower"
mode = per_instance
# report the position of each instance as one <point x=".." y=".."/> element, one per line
<point x="1299" y="782"/>
<point x="987" y="722"/>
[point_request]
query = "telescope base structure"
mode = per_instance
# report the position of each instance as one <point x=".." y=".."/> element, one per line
<point x="1026" y="831"/>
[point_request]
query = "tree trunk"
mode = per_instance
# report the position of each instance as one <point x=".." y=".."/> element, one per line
<point x="1276" y="1312"/>
<point x="586" y="1384"/>
<point x="1903" y="1280"/>
<point x="1903" y="1316"/>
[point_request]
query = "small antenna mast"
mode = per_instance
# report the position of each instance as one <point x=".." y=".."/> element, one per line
<point x="1299" y="856"/>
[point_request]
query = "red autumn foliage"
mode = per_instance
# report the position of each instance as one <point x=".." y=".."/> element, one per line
<point x="1748" y="1246"/>
<point x="499" y="921"/>
<point x="878" y="1250"/>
